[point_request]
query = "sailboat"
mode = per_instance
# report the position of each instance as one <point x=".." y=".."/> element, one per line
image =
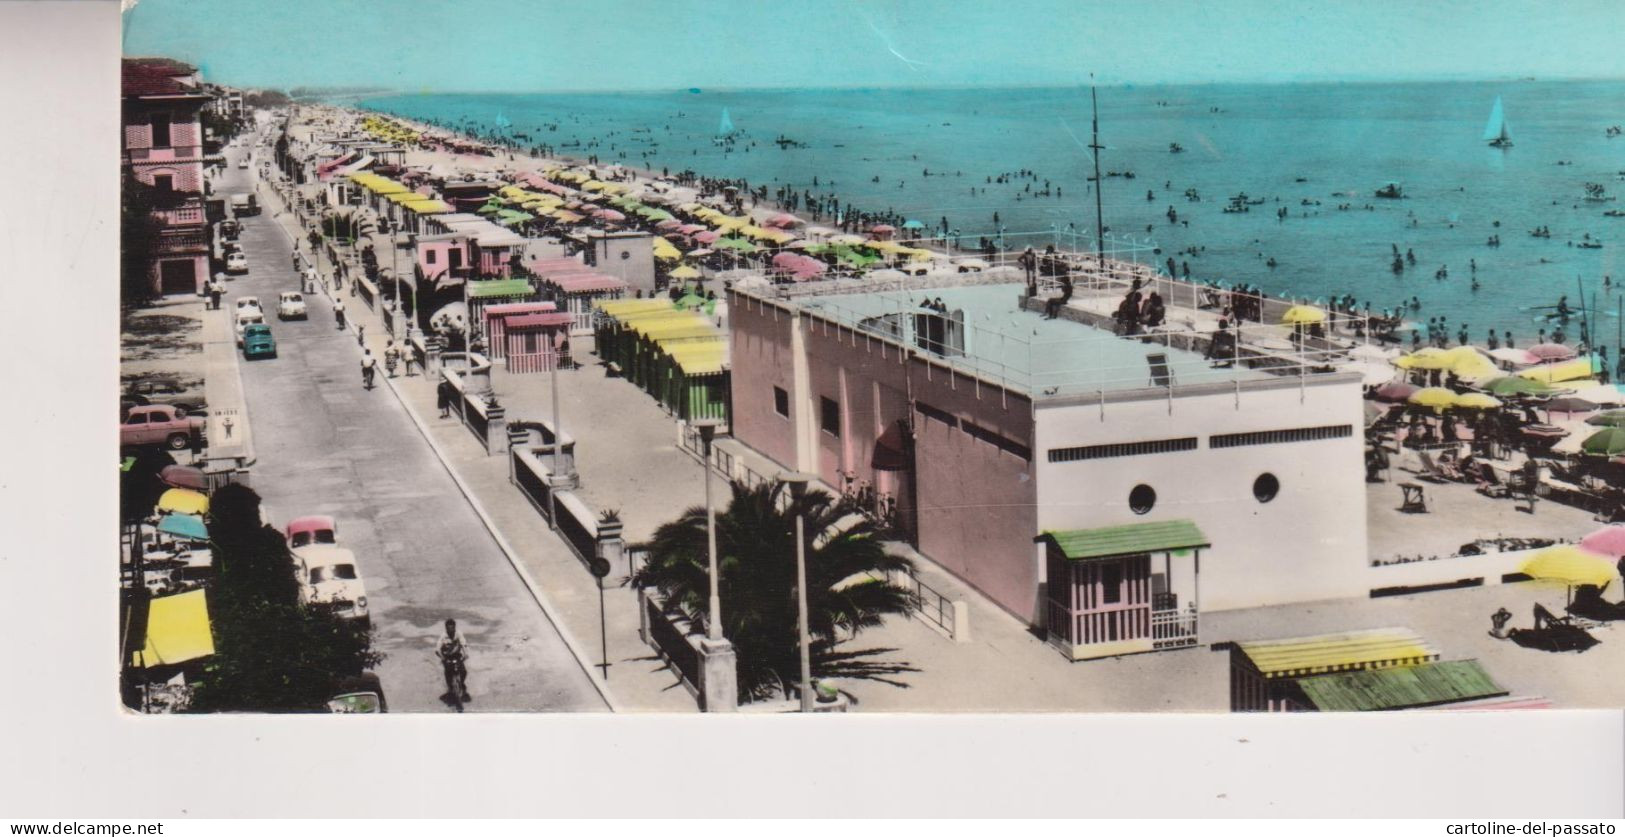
<point x="726" y="132"/>
<point x="1496" y="131"/>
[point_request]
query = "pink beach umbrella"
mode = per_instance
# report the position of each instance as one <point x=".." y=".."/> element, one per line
<point x="1552" y="351"/>
<point x="807" y="269"/>
<point x="609" y="215"/>
<point x="783" y="220"/>
<point x="1609" y="540"/>
<point x="707" y="237"/>
<point x="668" y="224"/>
<point x="785" y="261"/>
<point x="1396" y="392"/>
<point x="691" y="229"/>
<point x="883" y="229"/>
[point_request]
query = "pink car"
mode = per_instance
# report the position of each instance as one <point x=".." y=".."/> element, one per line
<point x="311" y="529"/>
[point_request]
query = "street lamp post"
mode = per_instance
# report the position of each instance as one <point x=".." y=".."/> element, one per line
<point x="797" y="483"/>
<point x="713" y="619"/>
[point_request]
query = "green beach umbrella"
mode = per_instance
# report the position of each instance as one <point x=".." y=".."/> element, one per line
<point x="1609" y="418"/>
<point x="1515" y="386"/>
<point x="1609" y="441"/>
<point x="739" y="244"/>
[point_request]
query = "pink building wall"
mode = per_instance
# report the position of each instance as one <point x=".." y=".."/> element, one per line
<point x="759" y="357"/>
<point x="973" y="502"/>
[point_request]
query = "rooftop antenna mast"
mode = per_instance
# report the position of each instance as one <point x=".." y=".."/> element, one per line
<point x="1095" y="148"/>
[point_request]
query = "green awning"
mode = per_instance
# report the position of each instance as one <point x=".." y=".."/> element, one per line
<point x="1403" y="687"/>
<point x="499" y="288"/>
<point x="1132" y="539"/>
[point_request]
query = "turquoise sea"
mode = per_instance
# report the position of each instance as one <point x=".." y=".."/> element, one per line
<point x="1308" y="148"/>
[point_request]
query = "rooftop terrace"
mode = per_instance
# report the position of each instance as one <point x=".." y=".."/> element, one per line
<point x="1005" y="343"/>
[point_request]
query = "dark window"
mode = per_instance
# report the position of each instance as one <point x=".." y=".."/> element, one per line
<point x="993" y="438"/>
<point x="1272" y="437"/>
<point x="428" y="256"/>
<point x="781" y="402"/>
<point x="1124" y="449"/>
<point x="940" y="415"/>
<point x="160" y="130"/>
<point x="163" y="182"/>
<point x="1266" y="487"/>
<point x="1111" y="583"/>
<point x="1142" y="498"/>
<point x="829" y="416"/>
<point x="456" y="256"/>
<point x="137" y="418"/>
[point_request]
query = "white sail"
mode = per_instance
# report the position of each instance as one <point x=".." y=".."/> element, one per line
<point x="1496" y="130"/>
<point x="727" y="128"/>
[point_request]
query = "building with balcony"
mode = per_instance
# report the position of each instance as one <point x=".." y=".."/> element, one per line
<point x="163" y="148"/>
<point x="1085" y="482"/>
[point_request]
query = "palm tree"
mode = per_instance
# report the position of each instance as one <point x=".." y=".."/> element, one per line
<point x="846" y="587"/>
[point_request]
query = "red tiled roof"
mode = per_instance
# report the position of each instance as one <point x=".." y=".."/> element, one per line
<point x="155" y="77"/>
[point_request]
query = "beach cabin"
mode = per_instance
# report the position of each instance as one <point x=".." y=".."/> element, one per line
<point x="675" y="355"/>
<point x="1358" y="671"/>
<point x="493" y="316"/>
<point x="1123" y="589"/>
<point x="577" y="291"/>
<point x="535" y="342"/>
<point x="486" y="293"/>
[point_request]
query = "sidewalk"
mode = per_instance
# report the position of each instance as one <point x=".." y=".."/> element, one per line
<point x="229" y="431"/>
<point x="638" y="681"/>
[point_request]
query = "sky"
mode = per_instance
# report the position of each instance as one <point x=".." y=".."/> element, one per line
<point x="543" y="45"/>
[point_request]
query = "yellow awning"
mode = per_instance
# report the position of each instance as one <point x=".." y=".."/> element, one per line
<point x="427" y="206"/>
<point x="1337" y="652"/>
<point x="177" y="631"/>
<point x="1554" y="373"/>
<point x="618" y="308"/>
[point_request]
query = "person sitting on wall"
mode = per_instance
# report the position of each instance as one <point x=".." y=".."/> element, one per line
<point x="1222" y="347"/>
<point x="1154" y="312"/>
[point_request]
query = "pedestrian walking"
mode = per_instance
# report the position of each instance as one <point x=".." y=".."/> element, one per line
<point x="369" y="367"/>
<point x="338" y="313"/>
<point x="444" y="394"/>
<point x="361" y="336"/>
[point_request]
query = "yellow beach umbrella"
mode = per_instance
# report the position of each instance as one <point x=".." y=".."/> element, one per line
<point x="665" y="251"/>
<point x="1438" y="398"/>
<point x="1477" y="401"/>
<point x="1552" y="373"/>
<point x="1569" y="564"/>
<point x="685" y="272"/>
<point x="1468" y="362"/>
<point x="1303" y="315"/>
<point x="183" y="501"/>
<point x="1430" y="357"/>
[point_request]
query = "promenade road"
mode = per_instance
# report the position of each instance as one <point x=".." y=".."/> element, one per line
<point x="327" y="446"/>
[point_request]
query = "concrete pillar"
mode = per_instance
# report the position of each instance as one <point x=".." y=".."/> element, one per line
<point x="496" y="428"/>
<point x="961" y="623"/>
<point x="643" y="617"/>
<point x="803" y="401"/>
<point x="611" y="547"/>
<point x="719" y="676"/>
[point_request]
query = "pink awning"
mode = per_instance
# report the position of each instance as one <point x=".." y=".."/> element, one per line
<point x="586" y="283"/>
<point x="508" y="309"/>
<point x="548" y="319"/>
<point x="608" y="215"/>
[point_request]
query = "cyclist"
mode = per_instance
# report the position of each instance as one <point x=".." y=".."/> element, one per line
<point x="453" y="656"/>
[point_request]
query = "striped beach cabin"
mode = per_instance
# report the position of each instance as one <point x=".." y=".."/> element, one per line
<point x="1357" y="671"/>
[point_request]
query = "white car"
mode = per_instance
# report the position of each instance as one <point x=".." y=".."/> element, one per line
<point x="249" y="303"/>
<point x="245" y="318"/>
<point x="291" y="306"/>
<point x="237" y="262"/>
<point x="243" y="163"/>
<point x="328" y="578"/>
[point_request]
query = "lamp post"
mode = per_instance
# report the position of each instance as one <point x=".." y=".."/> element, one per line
<point x="797" y="483"/>
<point x="713" y="618"/>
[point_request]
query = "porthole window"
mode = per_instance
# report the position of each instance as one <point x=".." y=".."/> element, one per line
<point x="1266" y="487"/>
<point x="1142" y="498"/>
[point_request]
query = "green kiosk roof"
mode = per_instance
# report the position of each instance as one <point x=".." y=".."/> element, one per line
<point x="1130" y="539"/>
<point x="1401" y="687"/>
<point x="499" y="288"/>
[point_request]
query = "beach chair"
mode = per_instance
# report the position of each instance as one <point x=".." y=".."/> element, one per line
<point x="1430" y="469"/>
<point x="1414" y="500"/>
<point x="1489" y="482"/>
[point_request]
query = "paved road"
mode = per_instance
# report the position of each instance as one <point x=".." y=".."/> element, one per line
<point x="327" y="446"/>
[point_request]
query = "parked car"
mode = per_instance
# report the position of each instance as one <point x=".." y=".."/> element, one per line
<point x="245" y="319"/>
<point x="291" y="306"/>
<point x="311" y="529"/>
<point x="237" y="262"/>
<point x="230" y="228"/>
<point x="258" y="342"/>
<point x="328" y="578"/>
<point x="244" y="203"/>
<point x="245" y="303"/>
<point x="160" y="424"/>
<point x="243" y="163"/>
<point x="360" y="694"/>
<point x="185" y="398"/>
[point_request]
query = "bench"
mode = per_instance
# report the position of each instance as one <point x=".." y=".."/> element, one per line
<point x="1415" y="498"/>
